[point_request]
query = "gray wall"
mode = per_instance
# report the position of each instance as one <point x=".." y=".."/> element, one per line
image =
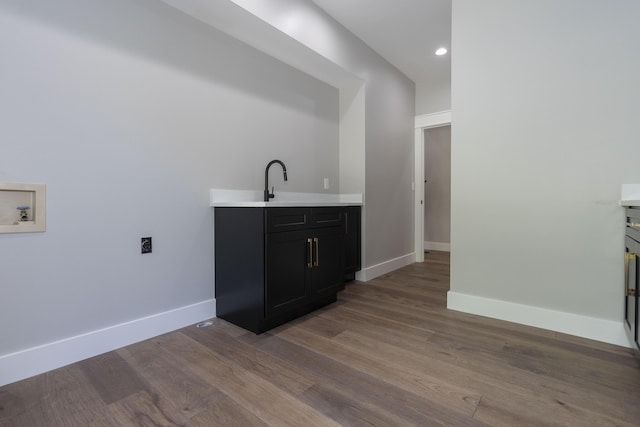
<point x="389" y="118"/>
<point x="389" y="165"/>
<point x="437" y="173"/>
<point x="546" y="101"/>
<point x="129" y="111"/>
<point x="389" y="133"/>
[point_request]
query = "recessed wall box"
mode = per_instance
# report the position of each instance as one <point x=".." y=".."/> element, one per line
<point x="22" y="207"/>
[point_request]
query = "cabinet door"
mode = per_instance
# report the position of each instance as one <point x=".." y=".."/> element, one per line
<point x="287" y="284"/>
<point x="631" y="287"/>
<point x="327" y="274"/>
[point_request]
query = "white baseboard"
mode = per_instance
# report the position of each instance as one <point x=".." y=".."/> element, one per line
<point x="374" y="271"/>
<point x="33" y="361"/>
<point x="437" y="246"/>
<point x="603" y="330"/>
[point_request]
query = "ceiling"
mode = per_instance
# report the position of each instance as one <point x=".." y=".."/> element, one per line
<point x="405" y="32"/>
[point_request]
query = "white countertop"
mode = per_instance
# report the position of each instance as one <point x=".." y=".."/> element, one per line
<point x="630" y="195"/>
<point x="220" y="198"/>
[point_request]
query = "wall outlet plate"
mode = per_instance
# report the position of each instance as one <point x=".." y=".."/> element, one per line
<point x="145" y="245"/>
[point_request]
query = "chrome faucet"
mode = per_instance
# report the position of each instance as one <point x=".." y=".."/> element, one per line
<point x="268" y="195"/>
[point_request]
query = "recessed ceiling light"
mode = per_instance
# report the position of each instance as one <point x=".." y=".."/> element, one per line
<point x="441" y="51"/>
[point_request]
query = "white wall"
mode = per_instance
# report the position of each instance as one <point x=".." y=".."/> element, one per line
<point x="130" y="112"/>
<point x="433" y="95"/>
<point x="437" y="188"/>
<point x="546" y="101"/>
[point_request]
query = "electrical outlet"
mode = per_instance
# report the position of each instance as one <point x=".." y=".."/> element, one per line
<point x="145" y="245"/>
<point x="326" y="183"/>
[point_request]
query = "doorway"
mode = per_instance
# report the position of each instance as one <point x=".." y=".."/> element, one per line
<point x="437" y="185"/>
<point x="426" y="121"/>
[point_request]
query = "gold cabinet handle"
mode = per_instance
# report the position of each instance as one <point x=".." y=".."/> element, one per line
<point x="310" y="247"/>
<point x="316" y="263"/>
<point x="628" y="256"/>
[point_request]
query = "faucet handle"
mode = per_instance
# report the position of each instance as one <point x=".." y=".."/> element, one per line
<point x="272" y="195"/>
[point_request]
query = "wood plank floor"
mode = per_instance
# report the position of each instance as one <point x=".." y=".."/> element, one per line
<point x="388" y="353"/>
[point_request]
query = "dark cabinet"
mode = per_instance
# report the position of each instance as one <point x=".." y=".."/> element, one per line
<point x="352" y="226"/>
<point x="631" y="265"/>
<point x="275" y="264"/>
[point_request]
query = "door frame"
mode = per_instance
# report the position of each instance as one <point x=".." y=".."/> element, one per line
<point x="425" y="121"/>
